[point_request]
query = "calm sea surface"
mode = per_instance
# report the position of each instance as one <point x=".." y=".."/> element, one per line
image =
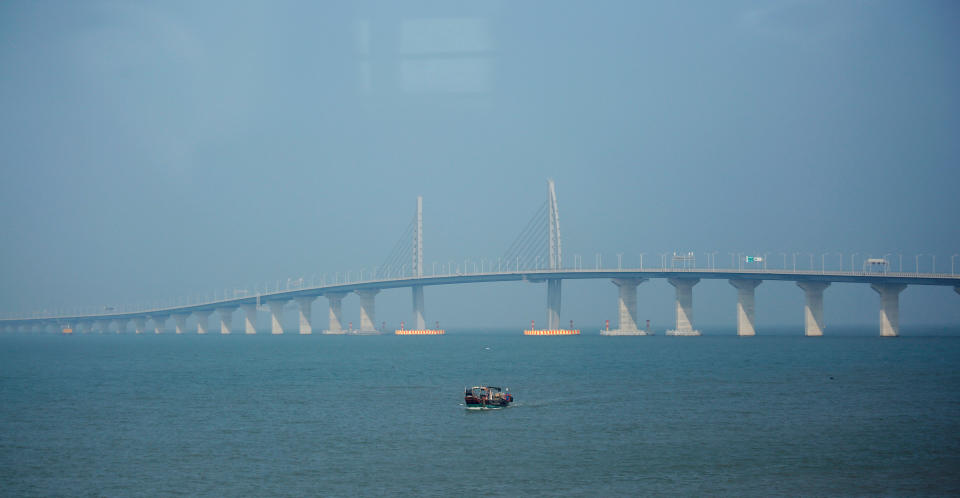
<point x="149" y="415"/>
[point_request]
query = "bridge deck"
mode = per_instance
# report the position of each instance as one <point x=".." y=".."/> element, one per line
<point x="530" y="276"/>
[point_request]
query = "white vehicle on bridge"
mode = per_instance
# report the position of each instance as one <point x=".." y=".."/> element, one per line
<point x="876" y="265"/>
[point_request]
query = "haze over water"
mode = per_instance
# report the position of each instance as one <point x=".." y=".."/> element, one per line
<point x="170" y="152"/>
<point x="119" y="415"/>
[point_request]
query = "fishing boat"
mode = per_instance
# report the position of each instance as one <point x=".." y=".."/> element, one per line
<point x="486" y="397"/>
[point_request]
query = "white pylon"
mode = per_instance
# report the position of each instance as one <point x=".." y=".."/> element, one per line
<point x="417" y="264"/>
<point x="556" y="247"/>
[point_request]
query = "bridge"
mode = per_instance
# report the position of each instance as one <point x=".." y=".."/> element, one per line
<point x="535" y="256"/>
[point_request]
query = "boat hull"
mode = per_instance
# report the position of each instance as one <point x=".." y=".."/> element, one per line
<point x="481" y="406"/>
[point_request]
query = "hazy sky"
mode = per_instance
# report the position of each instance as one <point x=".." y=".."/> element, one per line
<point x="150" y="151"/>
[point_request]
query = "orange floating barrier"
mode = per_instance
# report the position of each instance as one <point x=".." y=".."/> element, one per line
<point x="552" y="332"/>
<point x="419" y="332"/>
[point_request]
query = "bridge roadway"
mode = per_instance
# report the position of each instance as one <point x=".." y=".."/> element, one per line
<point x="813" y="283"/>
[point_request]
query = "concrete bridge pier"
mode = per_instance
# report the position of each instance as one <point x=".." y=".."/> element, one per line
<point x="121" y="325"/>
<point x="368" y="311"/>
<point x="627" y="307"/>
<point x="745" y="307"/>
<point x="305" y="303"/>
<point x="336" y="316"/>
<point x="684" y="288"/>
<point x="226" y="319"/>
<point x="103" y="326"/>
<point x="250" y="318"/>
<point x="813" y="309"/>
<point x="553" y="303"/>
<point x="180" y="322"/>
<point x="419" y="322"/>
<point x="889" y="308"/>
<point x="159" y="323"/>
<point x="276" y="316"/>
<point x="203" y="323"/>
<point x="139" y="324"/>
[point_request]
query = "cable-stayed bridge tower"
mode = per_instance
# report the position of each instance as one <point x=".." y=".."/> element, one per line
<point x="539" y="247"/>
<point x="406" y="261"/>
<point x="417" y="264"/>
<point x="555" y="257"/>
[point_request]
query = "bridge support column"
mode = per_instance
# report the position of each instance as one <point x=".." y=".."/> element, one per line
<point x="336" y="317"/>
<point x="745" y="300"/>
<point x="139" y="325"/>
<point x="226" y="319"/>
<point x="889" y="308"/>
<point x="813" y="309"/>
<point x="159" y="323"/>
<point x="202" y="321"/>
<point x="627" y="307"/>
<point x="180" y="323"/>
<point x="368" y="311"/>
<point x="419" y="323"/>
<point x="250" y="318"/>
<point x="121" y="325"/>
<point x="684" y="288"/>
<point x="304" y="303"/>
<point x="103" y="326"/>
<point x="553" y="303"/>
<point x="276" y="316"/>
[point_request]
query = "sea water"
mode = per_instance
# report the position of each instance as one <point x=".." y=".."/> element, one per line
<point x="153" y="415"/>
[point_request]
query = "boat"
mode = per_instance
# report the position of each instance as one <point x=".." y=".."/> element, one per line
<point x="486" y="398"/>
